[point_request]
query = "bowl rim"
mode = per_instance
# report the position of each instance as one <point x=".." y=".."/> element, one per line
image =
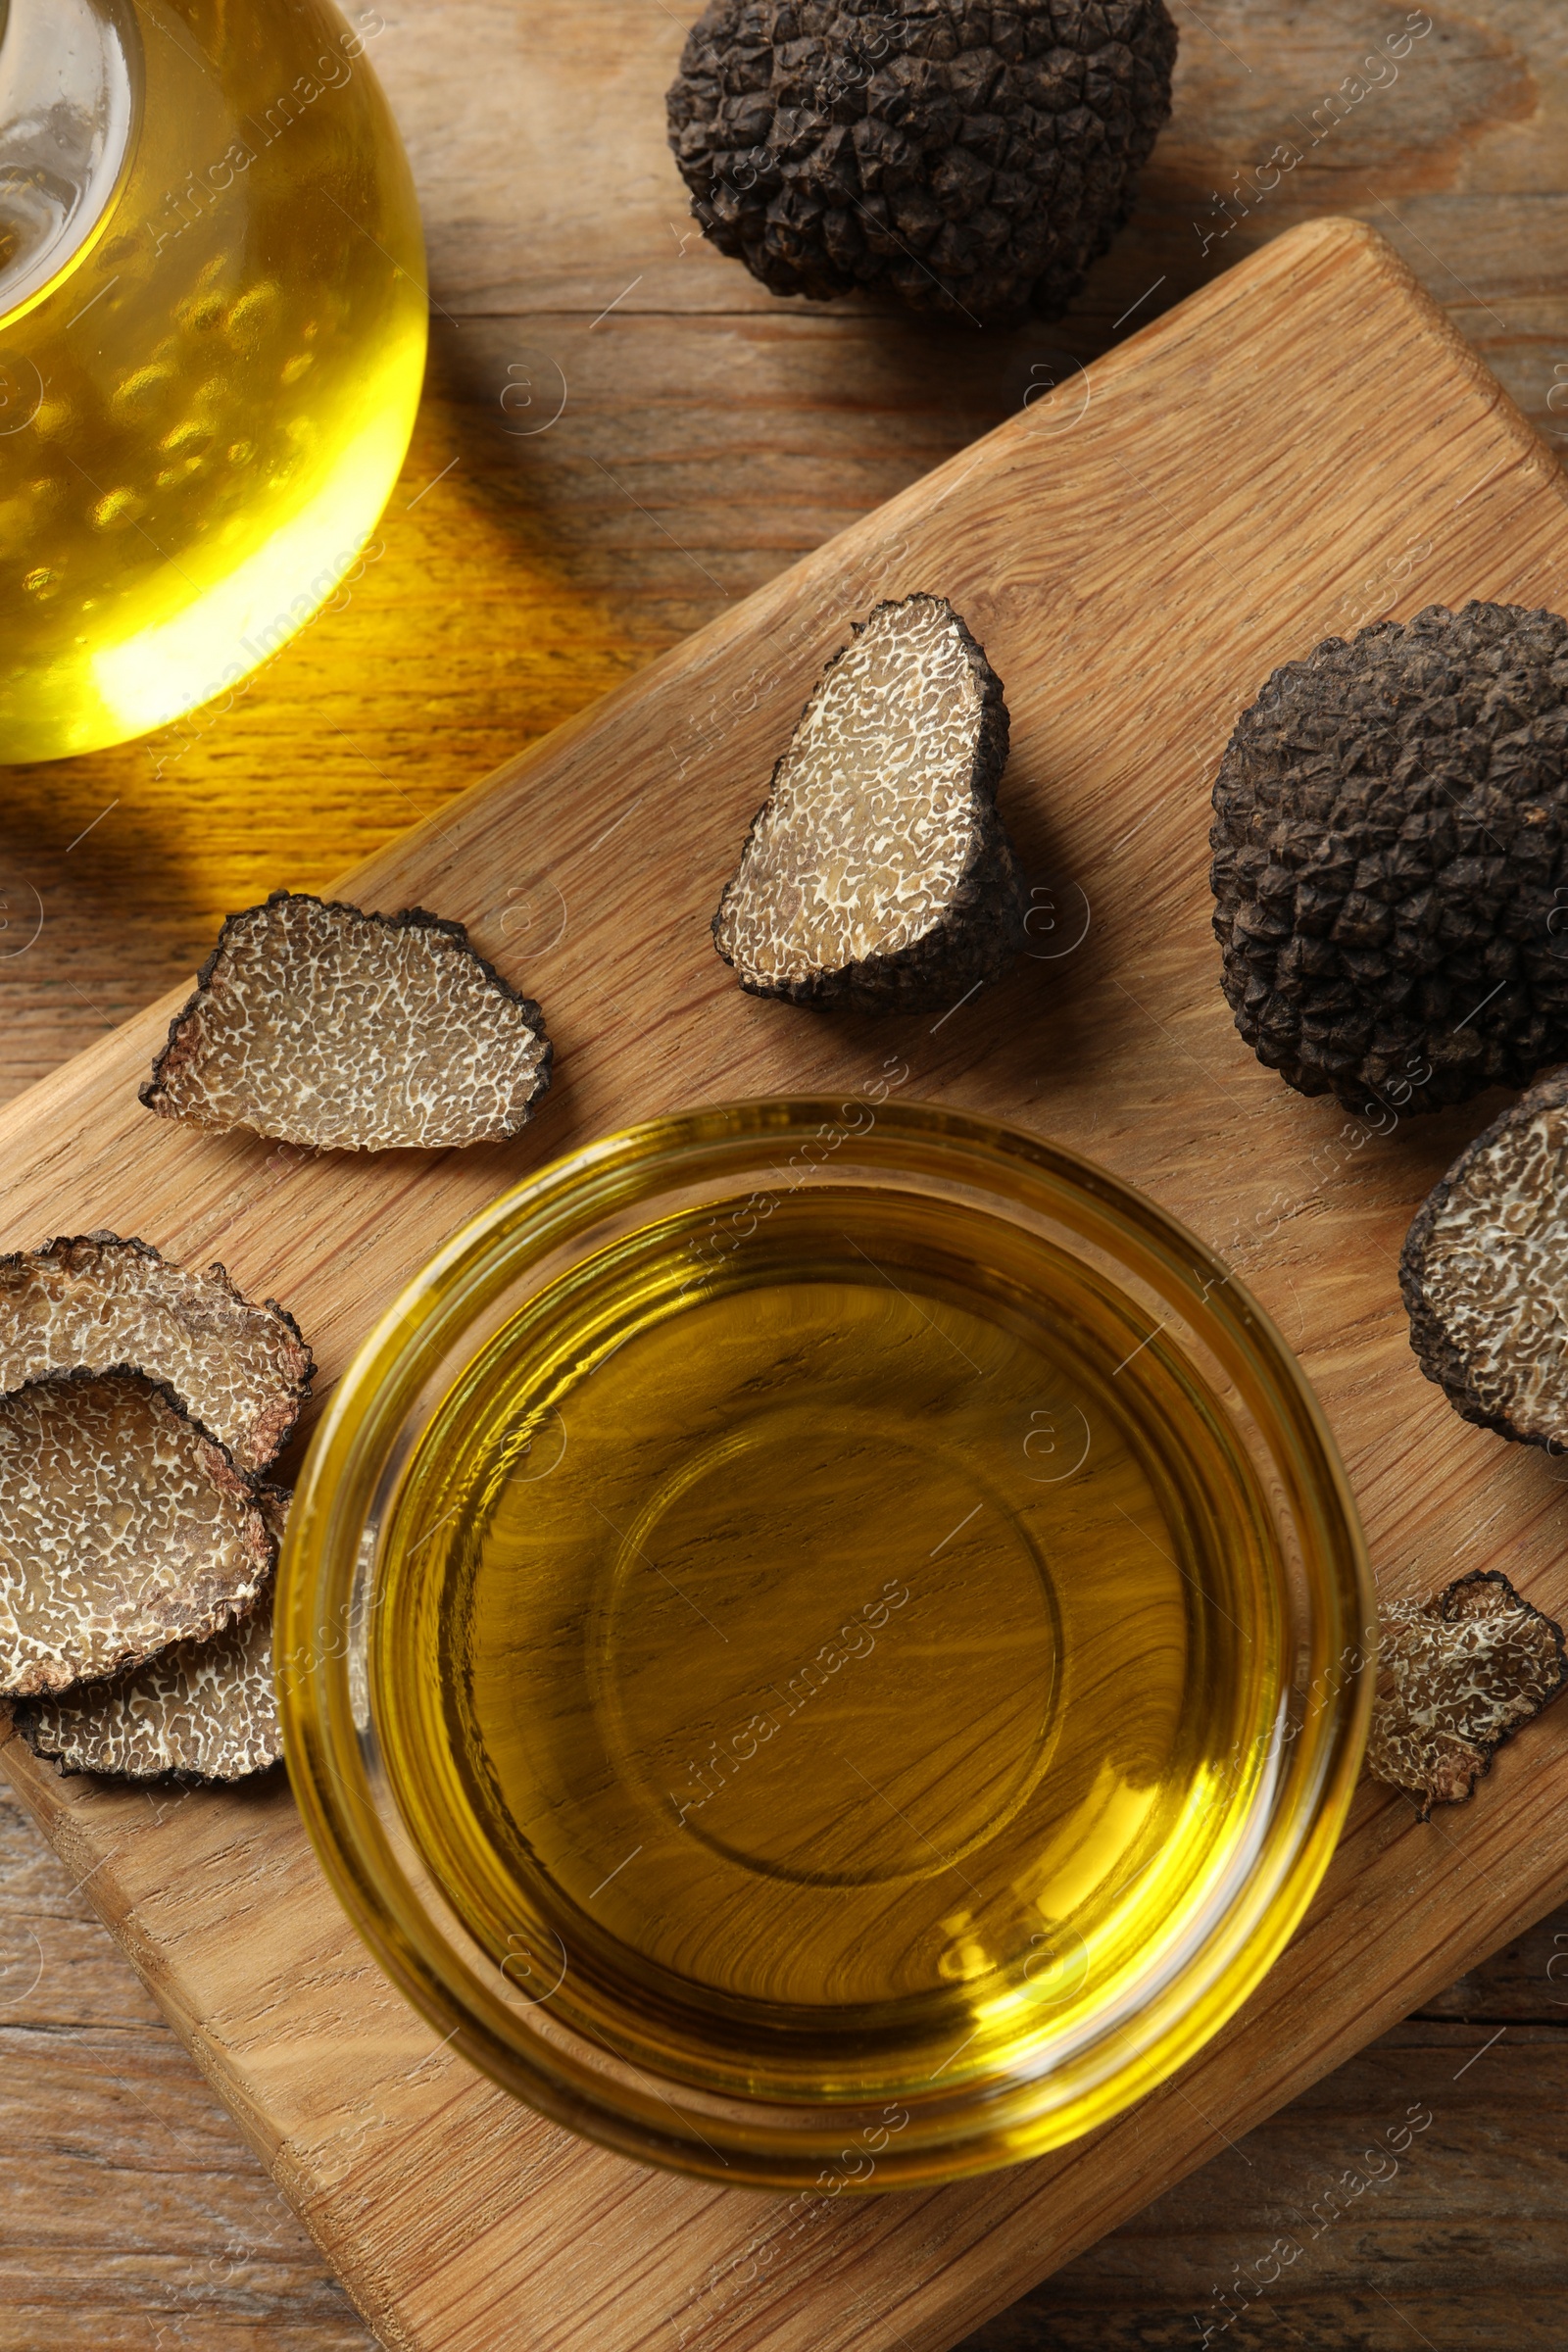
<point x="325" y="1747"/>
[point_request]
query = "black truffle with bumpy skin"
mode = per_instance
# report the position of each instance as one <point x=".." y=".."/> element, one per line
<point x="970" y="159"/>
<point x="1391" y="859"/>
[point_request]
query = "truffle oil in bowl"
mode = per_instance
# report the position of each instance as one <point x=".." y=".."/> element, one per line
<point x="211" y="342"/>
<point x="824" y="1667"/>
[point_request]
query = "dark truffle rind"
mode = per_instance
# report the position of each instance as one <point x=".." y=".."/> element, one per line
<point x="1391" y="850"/>
<point x="971" y="925"/>
<point x="363" y="1066"/>
<point x="970" y="159"/>
<point x="1484" y="1274"/>
<point x="1466" y="1670"/>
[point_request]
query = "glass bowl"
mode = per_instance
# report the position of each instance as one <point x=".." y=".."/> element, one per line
<point x="823" y="1642"/>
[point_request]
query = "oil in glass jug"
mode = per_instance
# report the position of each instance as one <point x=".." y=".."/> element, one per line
<point x="212" y="341"/>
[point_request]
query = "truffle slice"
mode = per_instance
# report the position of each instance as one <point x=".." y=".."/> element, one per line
<point x="1485" y="1273"/>
<point x="94" y="1302"/>
<point x="877" y="873"/>
<point x="1467" y="1670"/>
<point x="124" y="1527"/>
<point x="1390" y="845"/>
<point x="313" y="1023"/>
<point x="198" y="1711"/>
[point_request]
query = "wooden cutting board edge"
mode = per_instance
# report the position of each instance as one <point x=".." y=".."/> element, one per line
<point x="97" y="1077"/>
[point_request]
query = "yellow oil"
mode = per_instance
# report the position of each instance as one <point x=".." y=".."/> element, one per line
<point x="218" y="384"/>
<point x="820" y="1673"/>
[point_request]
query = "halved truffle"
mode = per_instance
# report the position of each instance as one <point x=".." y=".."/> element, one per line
<point x="93" y="1302"/>
<point x="1485" y="1273"/>
<point x="1390" y="845"/>
<point x="1458" y="1676"/>
<point x="197" y="1711"/>
<point x="124" y="1527"/>
<point x="878" y="874"/>
<point x="315" y="1023"/>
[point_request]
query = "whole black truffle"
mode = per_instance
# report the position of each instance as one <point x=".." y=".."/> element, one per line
<point x="970" y="159"/>
<point x="1389" y="872"/>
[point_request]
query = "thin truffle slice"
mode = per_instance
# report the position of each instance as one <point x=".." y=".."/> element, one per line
<point x="124" y="1527"/>
<point x="1485" y="1273"/>
<point x="315" y="1023"/>
<point x="878" y="874"/>
<point x="198" y="1711"/>
<point x="1459" y="1675"/>
<point x="93" y="1302"/>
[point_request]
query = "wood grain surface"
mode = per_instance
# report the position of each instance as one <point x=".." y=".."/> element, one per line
<point x="408" y="2169"/>
<point x="698" y="452"/>
<point x="132" y="2218"/>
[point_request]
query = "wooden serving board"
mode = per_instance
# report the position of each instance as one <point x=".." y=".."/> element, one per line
<point x="1302" y="446"/>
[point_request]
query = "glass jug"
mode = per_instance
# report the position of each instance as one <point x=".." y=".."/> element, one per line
<point x="212" y="341"/>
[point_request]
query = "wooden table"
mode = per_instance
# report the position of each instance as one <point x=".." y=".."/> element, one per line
<point x="706" y="435"/>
